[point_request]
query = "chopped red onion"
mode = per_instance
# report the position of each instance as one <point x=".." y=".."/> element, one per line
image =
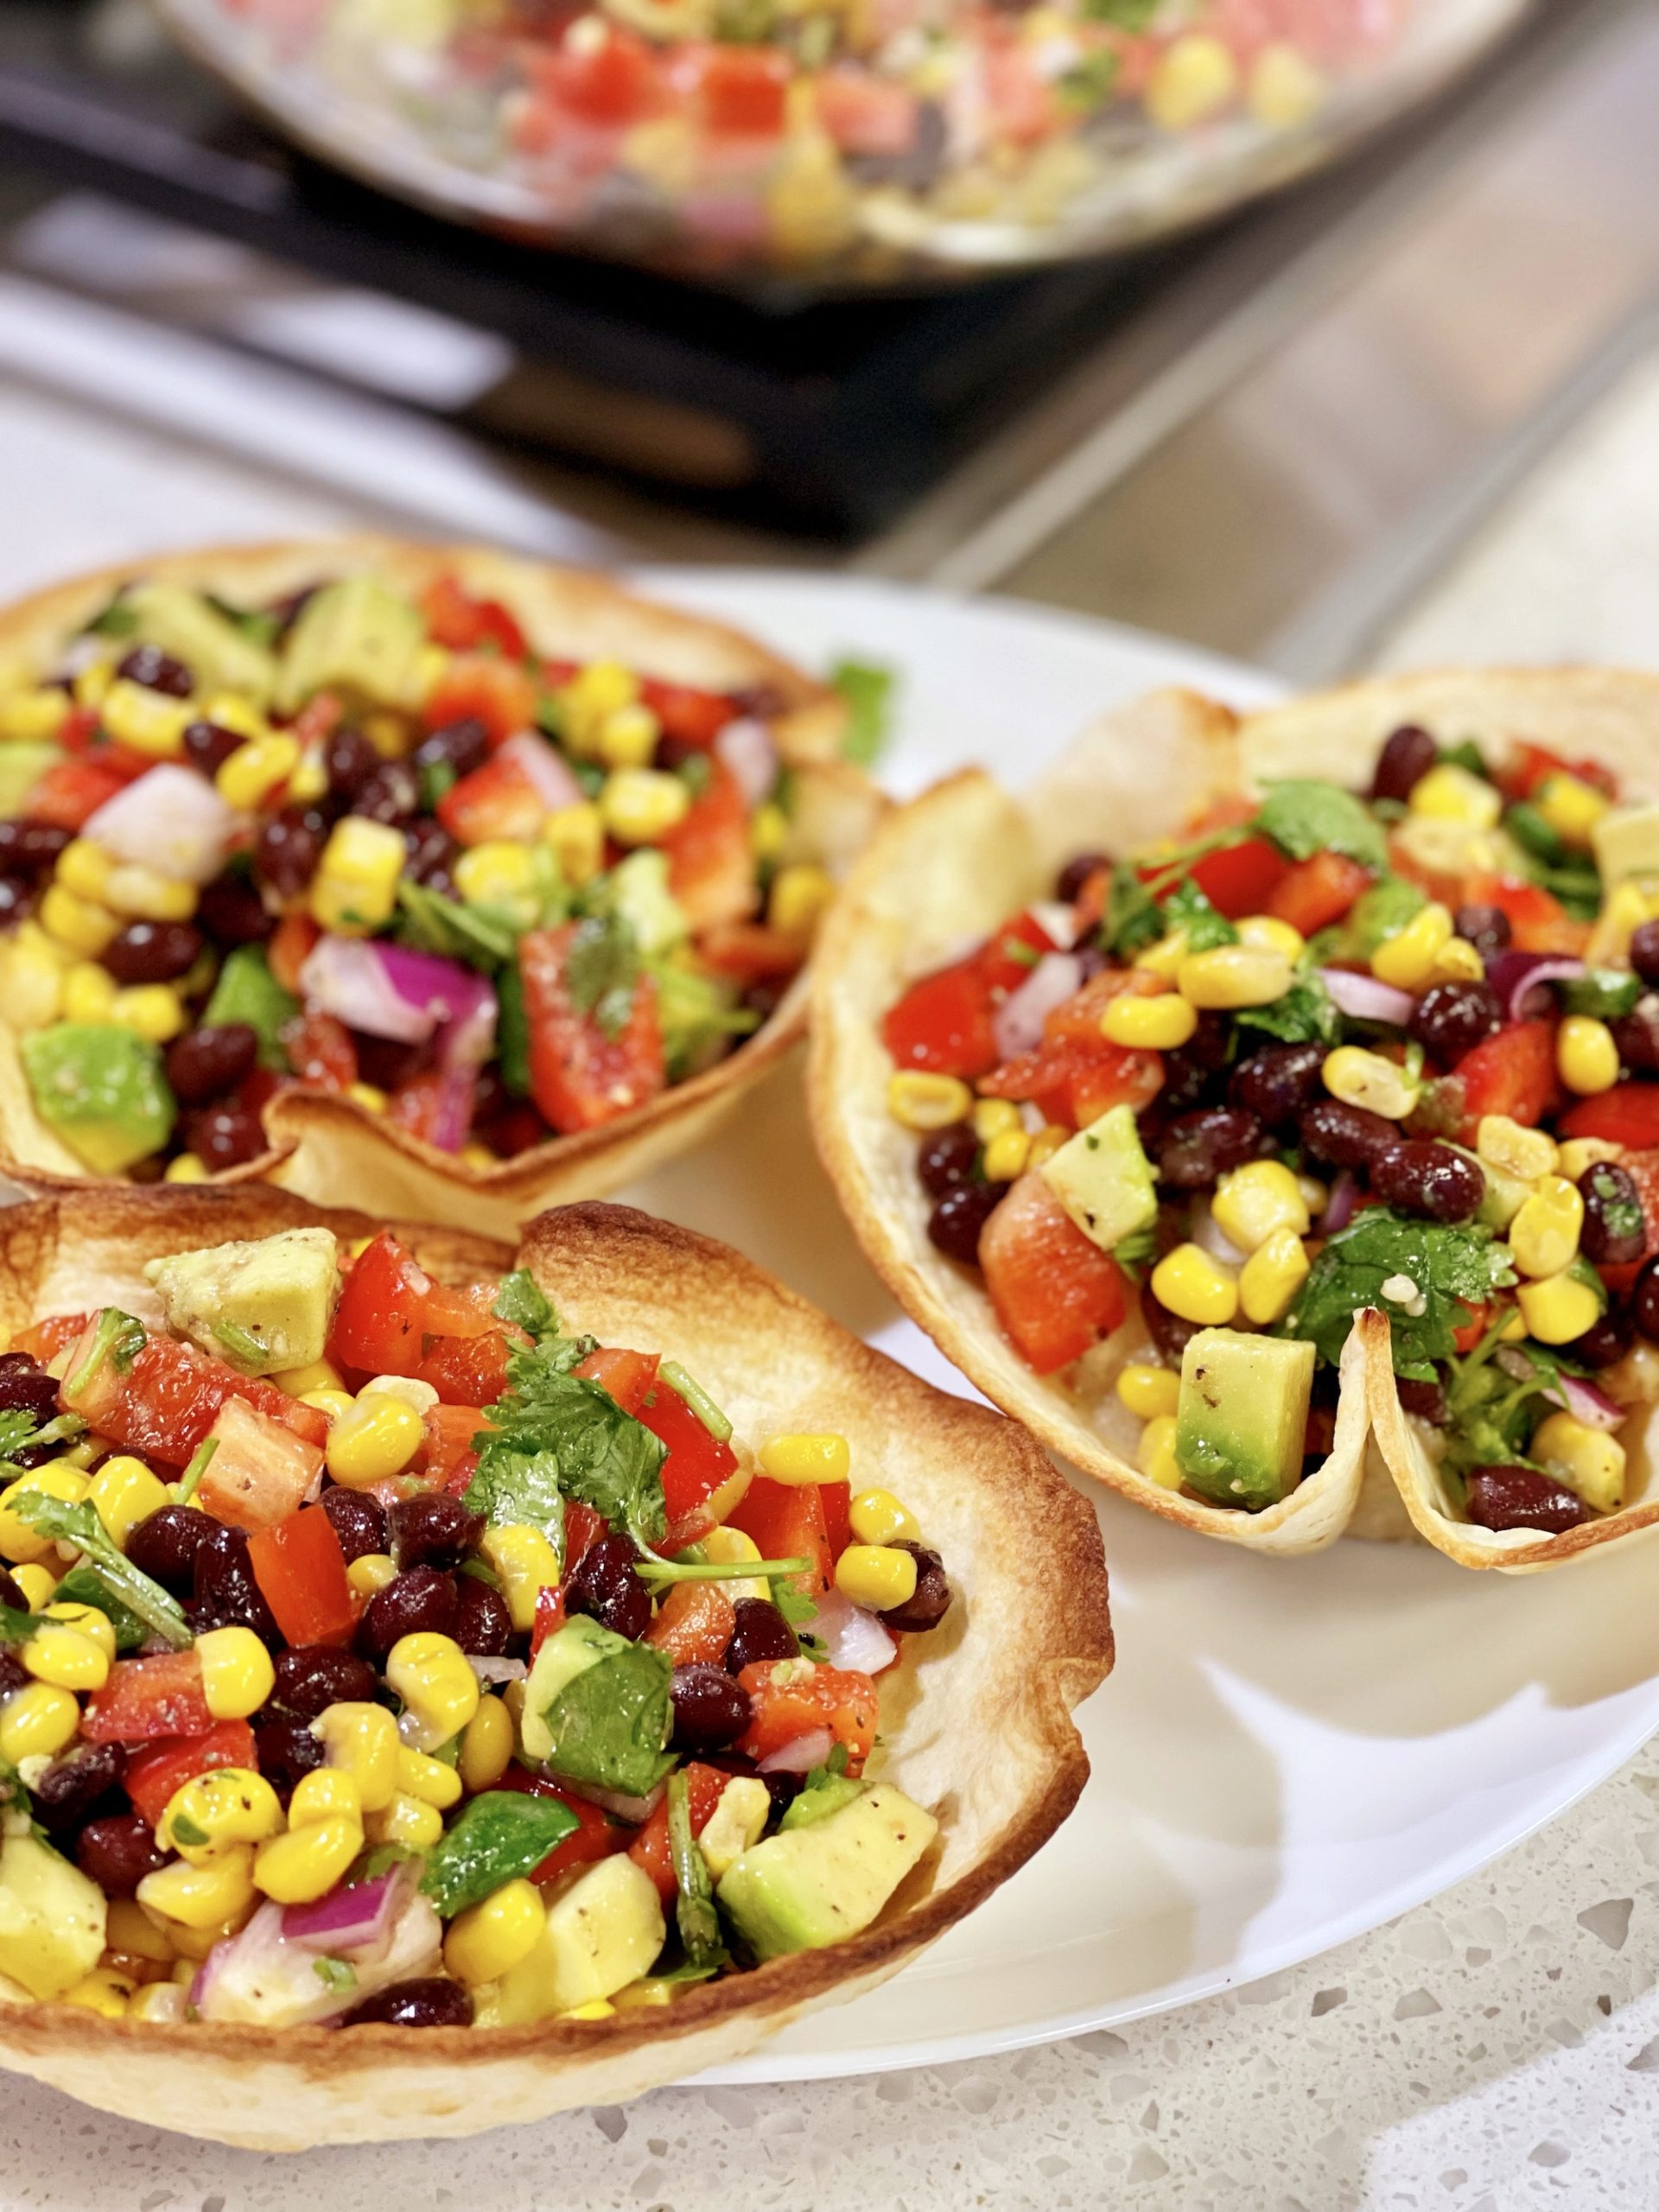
<point x="1339" y="1207"/>
<point x="355" y="1913"/>
<point x="1363" y="998"/>
<point x="262" y="1977"/>
<point x="801" y="1755"/>
<point x="1515" y="976"/>
<point x="855" y="1639"/>
<point x="746" y="747"/>
<point x="347" y="976"/>
<point x="1019" y="1023"/>
<point x="491" y="1670"/>
<point x="171" y="820"/>
<point x="555" y="785"/>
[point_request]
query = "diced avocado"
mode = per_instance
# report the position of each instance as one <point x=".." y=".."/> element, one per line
<point x="820" y="1800"/>
<point x="1626" y="843"/>
<point x="1243" y="1416"/>
<point x="51" y="1918"/>
<point x="1102" y="1178"/>
<point x="738" y="1821"/>
<point x="1505" y="1194"/>
<point x="806" y="1887"/>
<point x="637" y="888"/>
<point x="569" y="1651"/>
<point x="23" y="763"/>
<point x="262" y="1307"/>
<point x="606" y="1722"/>
<point x="357" y="635"/>
<point x="603" y="1932"/>
<point x="219" y="657"/>
<point x="247" y="991"/>
<point x="100" y="1087"/>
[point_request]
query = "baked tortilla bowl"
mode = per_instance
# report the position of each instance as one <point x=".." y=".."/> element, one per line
<point x="977" y="1721"/>
<point x="326" y="1147"/>
<point x="1609" y="716"/>
<point x="940" y="873"/>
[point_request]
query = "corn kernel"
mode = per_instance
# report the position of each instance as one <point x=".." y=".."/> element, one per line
<point x="1586" y="1057"/>
<point x="229" y="710"/>
<point x="154" y="1010"/>
<point x="1285" y="89"/>
<point x="64" y="1656"/>
<point x="1267" y="933"/>
<point x="370" y="1573"/>
<point x="363" y="1740"/>
<point x="31" y="978"/>
<point x="1046" y="1143"/>
<point x="1579" y="1154"/>
<point x="37" y="1721"/>
<point x="602" y="688"/>
<point x="1459" y="961"/>
<point x="576" y="835"/>
<point x="89" y="1620"/>
<point x="640" y="806"/>
<point x="1558" y="1309"/>
<point x="876" y="1576"/>
<point x="84" y="868"/>
<point x="355" y="887"/>
<point x="335" y="1403"/>
<point x="327" y="1792"/>
<point x="482" y="1943"/>
<point x="88" y="992"/>
<point x="188" y="1167"/>
<point x="1449" y="793"/>
<point x="320" y="1375"/>
<point x="1624" y="909"/>
<point x="406" y="1821"/>
<point x="145" y="894"/>
<point x="627" y="737"/>
<point x="1149" y="1392"/>
<point x="237" y="1676"/>
<point x="34" y="716"/>
<point x="728" y="1546"/>
<point x="163" y="2002"/>
<point x="17" y="1540"/>
<point x="145" y="720"/>
<point x="1571" y="807"/>
<point x="1154" y="1452"/>
<point x="130" y="1930"/>
<point x="76" y="922"/>
<point x="439" y="1690"/>
<point x="1257" y="1199"/>
<point x="1270" y="1278"/>
<point x="876" y="1517"/>
<point x="305" y="1863"/>
<point x="204" y="1895"/>
<point x="992" y="1116"/>
<point x="768" y="832"/>
<point x="1515" y="1149"/>
<point x="478" y="1157"/>
<point x="526" y="1563"/>
<point x="377" y="1439"/>
<point x="310" y="781"/>
<point x="1544" y="1234"/>
<point x="253" y="772"/>
<point x="487" y="1745"/>
<point x="429" y="1780"/>
<point x="1408" y="959"/>
<point x="123" y="1493"/>
<point x="919" y="1101"/>
<point x="798" y="899"/>
<point x="228" y="1805"/>
<point x="1164" y="958"/>
<point x="1362" y="1078"/>
<point x="1588" y="1460"/>
<point x="801" y="1461"/>
<point x="37" y="1583"/>
<point x="495" y="873"/>
<point x="1196" y="1287"/>
<point x="104" y="1990"/>
<point x="1193" y="79"/>
<point x="1233" y="976"/>
<point x="368" y="1096"/>
<point x="1007" y="1156"/>
<point x="1149" y="1025"/>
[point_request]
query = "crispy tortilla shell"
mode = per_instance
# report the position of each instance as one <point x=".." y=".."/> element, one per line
<point x="976" y="1720"/>
<point x="331" y="1150"/>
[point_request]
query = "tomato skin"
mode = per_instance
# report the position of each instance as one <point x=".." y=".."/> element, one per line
<point x="70" y="792"/>
<point x="781" y="1710"/>
<point x="583" y="1526"/>
<point x="1466" y="1338"/>
<point x="1316" y="893"/>
<point x="1009" y="955"/>
<point x="390" y="1303"/>
<point x="170" y="1397"/>
<point x="1530" y="766"/>
<point x="704" y="1787"/>
<point x="550" y="1617"/>
<point x="484" y="688"/>
<point x="1074" y="1082"/>
<point x="446" y="1456"/>
<point x="300" y="1570"/>
<point x="787" y="1522"/>
<point x="1056" y="1293"/>
<point x="693" y="716"/>
<point x="944" y="1024"/>
<point x="44" y="1340"/>
<point x="710" y="861"/>
<point x="579" y="1076"/>
<point x="1512" y="1073"/>
<point x="1538" y="921"/>
<point x="1238" y="879"/>
<point x="460" y="623"/>
<point x="596" y="1835"/>
<point x="144" y="1698"/>
<point x="498" y="800"/>
<point x="627" y="1375"/>
<point x="1626" y="1115"/>
<point x="320" y="1052"/>
<point x="739" y="90"/>
<point x="151" y="1776"/>
<point x="693" y="1625"/>
<point x="752" y="952"/>
<point x="615" y="82"/>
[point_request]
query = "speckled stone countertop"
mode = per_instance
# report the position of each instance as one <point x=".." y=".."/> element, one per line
<point x="1494" y="2049"/>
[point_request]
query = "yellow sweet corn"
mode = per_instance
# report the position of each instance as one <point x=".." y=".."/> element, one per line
<point x="876" y="1517"/>
<point x="1230" y="975"/>
<point x="1149" y="1392"/>
<point x="922" y="1101"/>
<point x="1359" y="1077"/>
<point x="876" y="1576"/>
<point x="1255" y="1200"/>
<point x="1449" y="793"/>
<point x="1270" y="1278"/>
<point x="1195" y="1286"/>
<point x="355" y="887"/>
<point x="1154" y="1452"/>
<point x="1151" y="1025"/>
<point x="1586" y="1057"/>
<point x="801" y="1461"/>
<point x="1408" y="959"/>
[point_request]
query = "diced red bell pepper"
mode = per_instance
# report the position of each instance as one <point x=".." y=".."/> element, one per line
<point x="627" y="1375"/>
<point x="549" y="1615"/>
<point x="484" y="688"/>
<point x="300" y="1570"/>
<point x="259" y="1470"/>
<point x="1626" y="1115"/>
<point x="836" y="1499"/>
<point x="447" y="1457"/>
<point x="1075" y="1081"/>
<point x="150" y="1777"/>
<point x="1317" y="893"/>
<point x="786" y="1704"/>
<point x="462" y="623"/>
<point x="289" y="946"/>
<point x="704" y="1788"/>
<point x="579" y="1076"/>
<point x="499" y="800"/>
<point x="594" y="1836"/>
<point x="389" y="1305"/>
<point x="1238" y="879"/>
<point x="711" y="868"/>
<point x="693" y="717"/>
<point x="752" y="952"/>
<point x="944" y="1024"/>
<point x="144" y="1698"/>
<point x="320" y="1052"/>
<point x="701" y="1480"/>
<point x="1530" y="766"/>
<point x="1512" y="1073"/>
<point x="788" y="1521"/>
<point x="1055" y="1292"/>
<point x="612" y="81"/>
<point x="693" y="1625"/>
<point x="167" y="1401"/>
<point x="70" y="792"/>
<point x="583" y="1526"/>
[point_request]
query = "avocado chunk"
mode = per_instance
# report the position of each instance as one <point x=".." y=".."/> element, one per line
<point x="1625" y="841"/>
<point x="818" y="1801"/>
<point x="601" y="1933"/>
<point x="219" y="657"/>
<point x="1505" y="1194"/>
<point x="1243" y="1416"/>
<point x="1102" y="1179"/>
<point x="100" y="1087"/>
<point x="23" y="763"/>
<point x="263" y="1306"/>
<point x="805" y="1887"/>
<point x="51" y="1918"/>
<point x="598" y="1710"/>
<point x="357" y="635"/>
<point x="636" y="889"/>
<point x="247" y="991"/>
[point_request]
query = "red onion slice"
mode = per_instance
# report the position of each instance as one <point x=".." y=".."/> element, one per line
<point x="1584" y="1400"/>
<point x="491" y="1670"/>
<point x="171" y="820"/>
<point x="347" y="977"/>
<point x="553" y="783"/>
<point x="1516" y="975"/>
<point x="1340" y="1205"/>
<point x="746" y="747"/>
<point x="1363" y="998"/>
<point x="358" y="1914"/>
<point x="636" y="1811"/>
<point x="854" y="1638"/>
<point x="800" y="1756"/>
<point x="1018" y="1024"/>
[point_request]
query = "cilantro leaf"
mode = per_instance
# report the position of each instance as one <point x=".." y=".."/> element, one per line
<point x="1382" y="912"/>
<point x="694" y="1912"/>
<point x="868" y="690"/>
<point x="794" y="1604"/>
<point x="608" y="1724"/>
<point x="602" y="971"/>
<point x="500" y="1835"/>
<point x="1134" y="1253"/>
<point x="432" y="922"/>
<point x="559" y="1435"/>
<point x="1304" y="817"/>
<point x="1466" y="755"/>
<point x="1306" y="1014"/>
<point x="1127" y="14"/>
<point x="333" y="1973"/>
<point x="697" y="1014"/>
<point x="1451" y="1269"/>
<point x="522" y="1301"/>
<point x="1185" y="908"/>
<point x="118" y="1339"/>
<point x="1133" y="919"/>
<point x="80" y="1525"/>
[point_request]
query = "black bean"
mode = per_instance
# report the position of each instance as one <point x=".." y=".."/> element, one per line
<point x="11" y="1595"/>
<point x="359" y="1522"/>
<point x="224" y="1137"/>
<point x="385" y="1062"/>
<point x="483" y="1625"/>
<point x="1604" y="1343"/>
<point x="16" y="898"/>
<point x="153" y="952"/>
<point x="118" y="1852"/>
<point x="1419" y="1176"/>
<point x="1275" y="1084"/>
<point x="956" y="1223"/>
<point x="433" y="1529"/>
<point x="710" y="1709"/>
<point x="391" y="794"/>
<point x="231" y="912"/>
<point x="1636" y="1035"/>
<point x="1452" y="1019"/>
<point x="462" y="745"/>
<point x="164" y="1546"/>
<point x="310" y="1677"/>
<point x="783" y="1789"/>
<point x="1345" y="1136"/>
<point x="1487" y="929"/>
<point x="66" y="1794"/>
<point x="226" y="1594"/>
<point x="420" y="1602"/>
<point x="208" y="746"/>
<point x="27" y="847"/>
<point x="1615" y="1228"/>
<point x="433" y="2002"/>
<point x="930" y="1601"/>
<point x="1520" y="1497"/>
<point x="1426" y="1400"/>
<point x="205" y="1063"/>
<point x="1644" y="1302"/>
<point x="761" y="1633"/>
<point x="1068" y="884"/>
<point x="348" y="761"/>
<point x="432" y="853"/>
<point x="26" y="1388"/>
<point x="288" y="849"/>
<point x="157" y="671"/>
<point x="605" y="1586"/>
<point x="287" y="1753"/>
<point x="1406" y="758"/>
<point x="1168" y="1332"/>
<point x="1199" y="1148"/>
<point x="1644" y="950"/>
<point x="946" y="1158"/>
<point x="13" y="1673"/>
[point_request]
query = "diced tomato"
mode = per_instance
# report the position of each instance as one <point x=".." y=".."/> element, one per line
<point x="1626" y="1115"/>
<point x="44" y="1340"/>
<point x="460" y="623"/>
<point x="320" y="1052"/>
<point x="627" y="1375"/>
<point x="694" y="717"/>
<point x="701" y="1480"/>
<point x="1530" y="766"/>
<point x="1314" y="893"/>
<point x="1512" y="1073"/>
<point x="738" y="90"/>
<point x="447" y="1457"/>
<point x="583" y="1526"/>
<point x="710" y="860"/>
<point x="614" y="80"/>
<point x="1238" y="879"/>
<point x="289" y="946"/>
<point x="1469" y="1335"/>
<point x="436" y="1106"/>
<point x="1009" y="955"/>
<point x="1055" y="1292"/>
<point x="171" y="1396"/>
<point x="944" y="1024"/>
<point x="836" y="1499"/>
<point x="595" y="1836"/>
<point x="1024" y="105"/>
<point x="788" y="1522"/>
<point x="1074" y="1082"/>
<point x="704" y="1787"/>
<point x="549" y="1615"/>
<point x="693" y="1625"/>
<point x="259" y="1470"/>
<point x="151" y="1776"/>
<point x="752" y="952"/>
<point x="579" y="1076"/>
<point x="499" y="800"/>
<point x="1538" y="921"/>
<point x="70" y="792"/>
<point x="390" y="1306"/>
<point x="782" y="1708"/>
<point x="484" y="688"/>
<point x="866" y="114"/>
<point x="142" y="1698"/>
<point x="299" y="1567"/>
<point x="81" y="735"/>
